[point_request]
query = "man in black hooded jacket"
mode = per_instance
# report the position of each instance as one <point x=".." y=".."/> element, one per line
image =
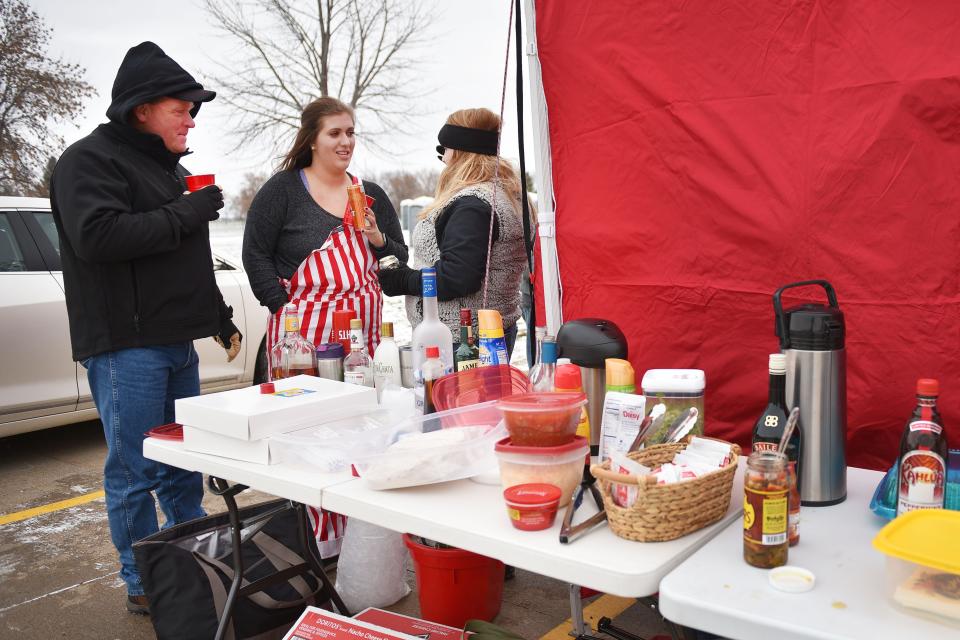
<point x="140" y="286"/>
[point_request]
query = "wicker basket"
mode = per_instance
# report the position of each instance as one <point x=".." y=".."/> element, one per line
<point x="668" y="511"/>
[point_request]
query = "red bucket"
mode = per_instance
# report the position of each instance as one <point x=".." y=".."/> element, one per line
<point x="456" y="585"/>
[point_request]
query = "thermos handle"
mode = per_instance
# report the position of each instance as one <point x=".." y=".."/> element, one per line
<point x="781" y="321"/>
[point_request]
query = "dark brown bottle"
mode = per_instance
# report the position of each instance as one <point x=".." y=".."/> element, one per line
<point x="768" y="431"/>
<point x="923" y="453"/>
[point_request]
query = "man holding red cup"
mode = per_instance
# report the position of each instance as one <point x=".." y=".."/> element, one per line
<point x="140" y="287"/>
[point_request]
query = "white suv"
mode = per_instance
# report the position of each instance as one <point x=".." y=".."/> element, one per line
<point x="40" y="384"/>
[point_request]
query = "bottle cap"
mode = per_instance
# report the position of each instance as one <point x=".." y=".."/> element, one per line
<point x="619" y="373"/>
<point x="548" y="352"/>
<point x="386" y="330"/>
<point x="267" y="387"/>
<point x="330" y="351"/>
<point x="355" y="323"/>
<point x="563" y="361"/>
<point x="791" y="579"/>
<point x="929" y="387"/>
<point x="567" y="377"/>
<point x="465" y="317"/>
<point x="490" y="320"/>
<point x="433" y="352"/>
<point x="778" y="363"/>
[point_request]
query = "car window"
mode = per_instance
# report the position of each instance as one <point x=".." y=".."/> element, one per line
<point x="11" y="258"/>
<point x="49" y="227"/>
<point x="219" y="264"/>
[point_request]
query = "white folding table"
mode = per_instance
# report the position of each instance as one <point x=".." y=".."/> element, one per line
<point x="715" y="590"/>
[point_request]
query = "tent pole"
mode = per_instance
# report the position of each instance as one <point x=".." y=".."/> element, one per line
<point x="546" y="213"/>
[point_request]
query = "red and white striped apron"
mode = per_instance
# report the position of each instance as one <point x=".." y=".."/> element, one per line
<point x="341" y="274"/>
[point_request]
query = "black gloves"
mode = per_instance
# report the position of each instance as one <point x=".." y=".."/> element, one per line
<point x="229" y="338"/>
<point x="204" y="206"/>
<point x="401" y="281"/>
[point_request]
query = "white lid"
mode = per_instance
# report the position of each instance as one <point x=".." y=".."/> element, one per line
<point x="778" y="363"/>
<point x="673" y="380"/>
<point x="791" y="579"/>
<point x="561" y="361"/>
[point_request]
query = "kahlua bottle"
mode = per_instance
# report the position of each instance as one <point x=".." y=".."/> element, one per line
<point x="923" y="453"/>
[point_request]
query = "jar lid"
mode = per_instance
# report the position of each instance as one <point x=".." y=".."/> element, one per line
<point x="329" y="351"/>
<point x="578" y="442"/>
<point x="791" y="579"/>
<point x="926" y="536"/>
<point x="673" y="380"/>
<point x="533" y="493"/>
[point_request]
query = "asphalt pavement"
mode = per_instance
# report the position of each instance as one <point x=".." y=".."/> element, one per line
<point x="59" y="572"/>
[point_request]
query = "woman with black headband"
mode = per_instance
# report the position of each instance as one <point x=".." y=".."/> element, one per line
<point x="454" y="231"/>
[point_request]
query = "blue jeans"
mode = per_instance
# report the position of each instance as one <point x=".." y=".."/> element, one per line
<point x="134" y="390"/>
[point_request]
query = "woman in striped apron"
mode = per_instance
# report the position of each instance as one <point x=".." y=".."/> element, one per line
<point x="300" y="244"/>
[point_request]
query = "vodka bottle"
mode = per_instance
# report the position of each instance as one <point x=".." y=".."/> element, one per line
<point x="430" y="332"/>
<point x="293" y="354"/>
<point x="386" y="360"/>
<point x="357" y="366"/>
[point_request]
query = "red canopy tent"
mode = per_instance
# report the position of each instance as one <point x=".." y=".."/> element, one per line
<point x="705" y="153"/>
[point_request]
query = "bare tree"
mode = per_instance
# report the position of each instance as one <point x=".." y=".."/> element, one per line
<point x="252" y="181"/>
<point x="401" y="185"/>
<point x="35" y="90"/>
<point x="290" y="52"/>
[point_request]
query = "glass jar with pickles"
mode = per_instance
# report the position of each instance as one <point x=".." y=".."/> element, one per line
<point x="765" y="510"/>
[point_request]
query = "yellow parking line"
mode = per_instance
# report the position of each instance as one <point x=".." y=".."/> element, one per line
<point x="47" y="508"/>
<point x="605" y="605"/>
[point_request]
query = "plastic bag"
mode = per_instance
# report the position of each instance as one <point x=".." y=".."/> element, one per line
<point x="372" y="568"/>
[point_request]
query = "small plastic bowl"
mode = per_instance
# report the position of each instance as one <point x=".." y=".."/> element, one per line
<point x="561" y="466"/>
<point x="532" y="507"/>
<point x="542" y="419"/>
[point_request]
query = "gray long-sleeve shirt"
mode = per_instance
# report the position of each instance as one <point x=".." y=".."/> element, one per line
<point x="285" y="224"/>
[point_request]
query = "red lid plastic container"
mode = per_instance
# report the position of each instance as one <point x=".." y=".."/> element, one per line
<point x="542" y="419"/>
<point x="532" y="507"/>
<point x="561" y="466"/>
<point x="483" y="384"/>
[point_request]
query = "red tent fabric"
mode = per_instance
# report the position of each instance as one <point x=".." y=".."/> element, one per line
<point x="705" y="153"/>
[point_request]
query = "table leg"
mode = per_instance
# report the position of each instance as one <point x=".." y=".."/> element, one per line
<point x="315" y="564"/>
<point x="223" y="489"/>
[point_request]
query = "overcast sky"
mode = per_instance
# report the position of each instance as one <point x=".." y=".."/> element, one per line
<point x="463" y="65"/>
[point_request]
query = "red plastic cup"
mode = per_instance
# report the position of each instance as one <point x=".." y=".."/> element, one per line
<point x="197" y="182"/>
<point x="341" y="327"/>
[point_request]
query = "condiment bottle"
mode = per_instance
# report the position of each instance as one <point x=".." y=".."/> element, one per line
<point x="568" y="379"/>
<point x="765" y="487"/>
<point x="432" y="371"/>
<point x="923" y="453"/>
<point x="620" y="376"/>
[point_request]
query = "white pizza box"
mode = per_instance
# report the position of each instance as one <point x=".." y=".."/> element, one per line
<point x="297" y="402"/>
<point x="319" y="624"/>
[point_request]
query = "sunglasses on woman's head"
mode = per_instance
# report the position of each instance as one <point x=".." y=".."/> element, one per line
<point x="440" y="151"/>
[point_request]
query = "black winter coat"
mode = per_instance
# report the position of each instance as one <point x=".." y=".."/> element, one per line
<point x="134" y="274"/>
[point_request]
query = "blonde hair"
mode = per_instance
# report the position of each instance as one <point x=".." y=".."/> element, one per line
<point x="466" y="169"/>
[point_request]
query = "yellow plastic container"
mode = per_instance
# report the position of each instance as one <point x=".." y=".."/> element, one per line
<point x="923" y="563"/>
<point x="620" y="376"/>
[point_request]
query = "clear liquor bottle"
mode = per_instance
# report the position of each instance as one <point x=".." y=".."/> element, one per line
<point x="358" y="366"/>
<point x="293" y="354"/>
<point x="543" y="374"/>
<point x="430" y="332"/>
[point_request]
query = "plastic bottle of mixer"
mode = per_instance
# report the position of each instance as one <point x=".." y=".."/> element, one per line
<point x="493" y="345"/>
